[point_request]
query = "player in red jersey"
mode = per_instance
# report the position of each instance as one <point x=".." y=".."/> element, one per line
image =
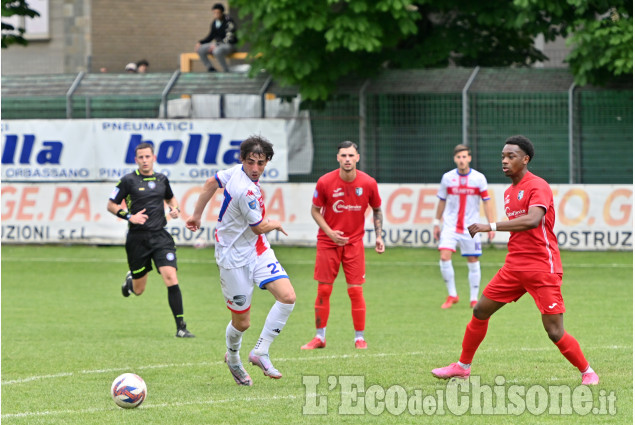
<point x="340" y="201"/>
<point x="532" y="264"/>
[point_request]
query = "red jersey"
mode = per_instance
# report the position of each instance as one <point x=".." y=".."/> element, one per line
<point x="535" y="249"/>
<point x="344" y="204"/>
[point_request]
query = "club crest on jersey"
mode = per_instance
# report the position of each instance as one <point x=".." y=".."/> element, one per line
<point x="253" y="204"/>
<point x="520" y="194"/>
<point x="152" y="185"/>
<point x="359" y="191"/>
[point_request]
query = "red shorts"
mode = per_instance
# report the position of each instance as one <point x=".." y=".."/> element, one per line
<point x="351" y="256"/>
<point x="509" y="285"/>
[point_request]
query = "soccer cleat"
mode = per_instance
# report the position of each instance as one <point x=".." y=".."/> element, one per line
<point x="451" y="371"/>
<point x="313" y="344"/>
<point x="473" y="303"/>
<point x="590" y="378"/>
<point x="449" y="301"/>
<point x="263" y="362"/>
<point x="184" y="333"/>
<point x="239" y="373"/>
<point x="126" y="288"/>
<point x="360" y="344"/>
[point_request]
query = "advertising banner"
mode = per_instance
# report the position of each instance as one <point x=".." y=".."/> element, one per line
<point x="103" y="150"/>
<point x="588" y="217"/>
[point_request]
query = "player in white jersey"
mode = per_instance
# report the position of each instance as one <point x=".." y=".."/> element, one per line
<point x="244" y="256"/>
<point x="459" y="195"/>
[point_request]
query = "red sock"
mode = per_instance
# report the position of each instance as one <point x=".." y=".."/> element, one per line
<point x="570" y="348"/>
<point x="358" y="307"/>
<point x="322" y="305"/>
<point x="474" y="334"/>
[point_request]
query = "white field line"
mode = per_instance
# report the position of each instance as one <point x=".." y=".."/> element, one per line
<point x="222" y="401"/>
<point x="369" y="262"/>
<point x="280" y="360"/>
<point x="151" y="406"/>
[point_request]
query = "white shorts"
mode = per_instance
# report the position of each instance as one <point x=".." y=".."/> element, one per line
<point x="238" y="284"/>
<point x="469" y="246"/>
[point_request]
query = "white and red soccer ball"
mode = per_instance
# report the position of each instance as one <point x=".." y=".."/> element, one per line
<point x="128" y="390"/>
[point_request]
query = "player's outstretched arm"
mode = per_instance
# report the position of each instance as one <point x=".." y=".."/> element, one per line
<point x="209" y="189"/>
<point x="267" y="225"/>
<point x="527" y="222"/>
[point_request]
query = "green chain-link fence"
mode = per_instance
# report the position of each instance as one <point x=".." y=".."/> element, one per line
<point x="406" y="122"/>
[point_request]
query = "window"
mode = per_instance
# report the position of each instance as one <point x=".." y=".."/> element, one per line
<point x="35" y="28"/>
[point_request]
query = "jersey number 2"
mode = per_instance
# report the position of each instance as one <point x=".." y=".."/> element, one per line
<point x="274" y="267"/>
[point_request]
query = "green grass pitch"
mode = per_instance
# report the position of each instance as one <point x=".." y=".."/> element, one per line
<point x="67" y="333"/>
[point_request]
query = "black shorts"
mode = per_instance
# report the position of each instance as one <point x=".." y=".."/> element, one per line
<point x="142" y="247"/>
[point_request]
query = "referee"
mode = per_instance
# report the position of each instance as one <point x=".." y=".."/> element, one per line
<point x="145" y="192"/>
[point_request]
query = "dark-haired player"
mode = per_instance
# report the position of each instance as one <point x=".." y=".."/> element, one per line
<point x="244" y="256"/>
<point x="532" y="264"/>
<point x="340" y="201"/>
<point x="460" y="194"/>
<point x="145" y="192"/>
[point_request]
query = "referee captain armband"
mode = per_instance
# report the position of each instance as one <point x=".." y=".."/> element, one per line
<point x="123" y="214"/>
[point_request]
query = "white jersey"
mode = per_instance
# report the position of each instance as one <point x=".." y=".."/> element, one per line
<point x="243" y="208"/>
<point x="462" y="193"/>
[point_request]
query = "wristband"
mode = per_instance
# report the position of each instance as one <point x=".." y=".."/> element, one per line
<point x="123" y="214"/>
<point x="493" y="226"/>
<point x="436" y="221"/>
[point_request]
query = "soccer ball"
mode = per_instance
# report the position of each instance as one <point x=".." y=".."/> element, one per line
<point x="128" y="390"/>
<point x="200" y="243"/>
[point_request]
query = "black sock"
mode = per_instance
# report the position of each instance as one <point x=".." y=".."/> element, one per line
<point x="176" y="304"/>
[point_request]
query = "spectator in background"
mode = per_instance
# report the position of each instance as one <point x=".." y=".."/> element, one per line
<point x="142" y="66"/>
<point x="221" y="40"/>
<point x="131" y="68"/>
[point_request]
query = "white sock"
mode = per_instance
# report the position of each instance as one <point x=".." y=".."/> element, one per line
<point x="588" y="370"/>
<point x="359" y="335"/>
<point x="276" y="319"/>
<point x="474" y="278"/>
<point x="447" y="272"/>
<point x="321" y="333"/>
<point x="465" y="366"/>
<point x="234" y="338"/>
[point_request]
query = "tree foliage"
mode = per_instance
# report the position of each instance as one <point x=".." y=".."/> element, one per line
<point x="313" y="44"/>
<point x="600" y="35"/>
<point x="10" y="33"/>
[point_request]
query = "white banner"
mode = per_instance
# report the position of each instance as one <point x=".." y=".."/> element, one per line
<point x="103" y="150"/>
<point x="588" y="217"/>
